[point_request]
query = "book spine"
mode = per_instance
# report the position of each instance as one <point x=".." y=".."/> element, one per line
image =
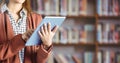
<point x="99" y="7"/>
<point x="115" y="8"/>
<point x="105" y="32"/>
<point x="119" y="6"/>
<point x="105" y="7"/>
<point x="63" y="35"/>
<point x="54" y="7"/>
<point x="83" y="7"/>
<point x="63" y="7"/>
<point x="47" y="7"/>
<point x="99" y="56"/>
<point x="99" y="33"/>
<point x="88" y="57"/>
<point x="83" y="35"/>
<point x="89" y="29"/>
<point x="69" y="35"/>
<point x="110" y="7"/>
<point x="56" y="37"/>
<point x="40" y="6"/>
<point x="75" y="35"/>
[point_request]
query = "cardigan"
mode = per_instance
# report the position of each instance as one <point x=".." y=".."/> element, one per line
<point x="11" y="44"/>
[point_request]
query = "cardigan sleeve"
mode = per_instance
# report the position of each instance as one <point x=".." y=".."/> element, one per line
<point x="42" y="54"/>
<point x="11" y="47"/>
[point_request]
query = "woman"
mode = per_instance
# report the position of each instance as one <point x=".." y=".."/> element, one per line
<point x="17" y="23"/>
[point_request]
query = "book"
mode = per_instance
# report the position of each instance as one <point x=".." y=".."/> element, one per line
<point x="115" y="8"/>
<point x="82" y="34"/>
<point x="41" y="9"/>
<point x="99" y="7"/>
<point x="69" y="34"/>
<point x="47" y="7"/>
<point x="34" y="5"/>
<point x="53" y="20"/>
<point x="82" y="7"/>
<point x="75" y="35"/>
<point x="119" y="6"/>
<point x="110" y="8"/>
<point x="89" y="30"/>
<point x="63" y="35"/>
<point x="73" y="9"/>
<point x="99" y="33"/>
<point x="56" y="37"/>
<point x="105" y="7"/>
<point x="63" y="7"/>
<point x="117" y="57"/>
<point x="88" y="57"/>
<point x="99" y="57"/>
<point x="54" y="7"/>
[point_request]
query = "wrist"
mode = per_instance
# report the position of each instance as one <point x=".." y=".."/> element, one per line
<point x="24" y="38"/>
<point x="46" y="47"/>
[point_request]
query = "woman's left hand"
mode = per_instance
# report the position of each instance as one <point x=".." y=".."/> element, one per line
<point x="46" y="34"/>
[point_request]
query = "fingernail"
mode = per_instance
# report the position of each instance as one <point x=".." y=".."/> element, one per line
<point x="57" y="26"/>
<point x="48" y="22"/>
<point x="41" y="27"/>
<point x="45" y="24"/>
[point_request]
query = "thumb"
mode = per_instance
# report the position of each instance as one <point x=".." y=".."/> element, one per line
<point x="55" y="29"/>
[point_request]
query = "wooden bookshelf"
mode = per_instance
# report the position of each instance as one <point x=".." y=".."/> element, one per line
<point x="77" y="16"/>
<point x="76" y="45"/>
<point x="81" y="16"/>
<point x="94" y="18"/>
<point x="109" y="17"/>
<point x="108" y="45"/>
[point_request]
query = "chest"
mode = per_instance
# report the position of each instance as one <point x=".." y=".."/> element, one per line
<point x="16" y="17"/>
<point x="6" y="29"/>
<point x="19" y="24"/>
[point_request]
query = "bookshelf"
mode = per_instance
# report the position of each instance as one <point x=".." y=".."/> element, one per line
<point x="95" y="24"/>
<point x="76" y="45"/>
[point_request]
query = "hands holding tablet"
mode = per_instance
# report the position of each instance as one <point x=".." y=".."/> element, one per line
<point x="27" y="34"/>
<point x="45" y="31"/>
<point x="46" y="34"/>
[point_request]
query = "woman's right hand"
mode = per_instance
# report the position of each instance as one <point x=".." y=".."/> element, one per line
<point x="27" y="34"/>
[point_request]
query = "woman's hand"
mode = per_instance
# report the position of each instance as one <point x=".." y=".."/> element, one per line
<point x="46" y="34"/>
<point x="27" y="34"/>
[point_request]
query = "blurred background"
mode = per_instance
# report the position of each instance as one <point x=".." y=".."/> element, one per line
<point x="90" y="33"/>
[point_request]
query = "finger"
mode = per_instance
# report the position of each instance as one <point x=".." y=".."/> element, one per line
<point x="40" y="34"/>
<point x="55" y="29"/>
<point x="24" y="36"/>
<point x="31" y="31"/>
<point x="42" y="31"/>
<point x="45" y="28"/>
<point x="49" y="27"/>
<point x="28" y="34"/>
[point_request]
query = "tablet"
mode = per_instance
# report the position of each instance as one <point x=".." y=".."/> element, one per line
<point x="53" y="20"/>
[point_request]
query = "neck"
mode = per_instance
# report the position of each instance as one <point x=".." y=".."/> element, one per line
<point x="14" y="7"/>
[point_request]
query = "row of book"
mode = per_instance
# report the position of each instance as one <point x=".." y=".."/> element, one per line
<point x="75" y="34"/>
<point x="108" y="57"/>
<point x="108" y="7"/>
<point x="86" y="57"/>
<point x="85" y="33"/>
<point x="60" y="7"/>
<point x="108" y="33"/>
